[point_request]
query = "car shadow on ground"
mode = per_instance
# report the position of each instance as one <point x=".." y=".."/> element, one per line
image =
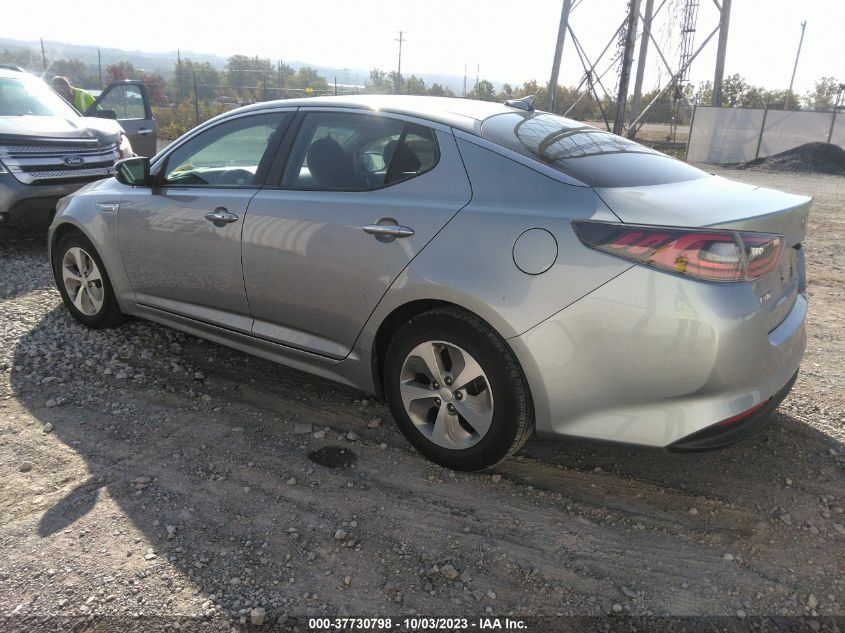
<point x="759" y="462"/>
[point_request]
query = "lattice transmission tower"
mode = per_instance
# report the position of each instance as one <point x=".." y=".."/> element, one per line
<point x="688" y="27"/>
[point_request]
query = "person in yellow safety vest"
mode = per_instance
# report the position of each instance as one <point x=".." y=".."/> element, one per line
<point x="77" y="97"/>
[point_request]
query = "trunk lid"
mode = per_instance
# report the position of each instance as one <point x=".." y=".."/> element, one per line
<point x="712" y="202"/>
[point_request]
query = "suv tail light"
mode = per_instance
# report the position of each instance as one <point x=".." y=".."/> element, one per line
<point x="714" y="255"/>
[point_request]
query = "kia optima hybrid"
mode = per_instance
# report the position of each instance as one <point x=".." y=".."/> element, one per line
<point x="488" y="269"/>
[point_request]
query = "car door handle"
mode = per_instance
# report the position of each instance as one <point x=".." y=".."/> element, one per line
<point x="220" y="217"/>
<point x="144" y="132"/>
<point x="108" y="207"/>
<point x="388" y="231"/>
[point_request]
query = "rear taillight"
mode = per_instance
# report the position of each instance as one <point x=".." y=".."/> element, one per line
<point x="713" y="255"/>
<point x="762" y="253"/>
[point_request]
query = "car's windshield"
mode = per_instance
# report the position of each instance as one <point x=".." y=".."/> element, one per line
<point x="591" y="155"/>
<point x="29" y="96"/>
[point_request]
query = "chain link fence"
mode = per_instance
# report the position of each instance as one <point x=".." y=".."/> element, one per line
<point x="178" y="108"/>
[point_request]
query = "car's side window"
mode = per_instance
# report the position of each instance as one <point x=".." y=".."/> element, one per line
<point x="226" y="155"/>
<point x="357" y="152"/>
<point x="126" y="101"/>
<point x="416" y="153"/>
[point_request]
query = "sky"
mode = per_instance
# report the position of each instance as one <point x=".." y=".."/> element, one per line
<point x="510" y="41"/>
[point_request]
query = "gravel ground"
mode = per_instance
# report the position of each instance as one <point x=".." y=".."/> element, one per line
<point x="148" y="478"/>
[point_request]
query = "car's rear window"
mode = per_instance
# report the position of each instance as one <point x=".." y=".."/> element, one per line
<point x="593" y="156"/>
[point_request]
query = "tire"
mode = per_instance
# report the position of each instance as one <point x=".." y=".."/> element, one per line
<point x="466" y="426"/>
<point x="94" y="305"/>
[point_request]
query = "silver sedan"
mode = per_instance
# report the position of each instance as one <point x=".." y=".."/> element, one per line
<point x="488" y="269"/>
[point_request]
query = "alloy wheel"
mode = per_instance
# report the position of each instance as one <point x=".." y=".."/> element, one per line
<point x="446" y="394"/>
<point x="82" y="281"/>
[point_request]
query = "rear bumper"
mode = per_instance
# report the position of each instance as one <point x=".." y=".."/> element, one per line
<point x="730" y="431"/>
<point x="30" y="205"/>
<point x="652" y="358"/>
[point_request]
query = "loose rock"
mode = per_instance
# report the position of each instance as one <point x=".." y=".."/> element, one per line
<point x="257" y="616"/>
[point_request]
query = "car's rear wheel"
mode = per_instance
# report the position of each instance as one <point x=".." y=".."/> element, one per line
<point x="84" y="284"/>
<point x="456" y="391"/>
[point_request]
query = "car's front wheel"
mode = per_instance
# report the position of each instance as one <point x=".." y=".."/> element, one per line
<point x="84" y="284"/>
<point x="456" y="391"/>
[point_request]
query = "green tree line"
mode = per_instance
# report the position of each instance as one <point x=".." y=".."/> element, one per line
<point x="192" y="88"/>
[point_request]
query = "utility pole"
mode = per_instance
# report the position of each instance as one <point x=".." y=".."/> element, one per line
<point x="795" y="68"/>
<point x="399" y="66"/>
<point x="465" y="80"/>
<point x="638" y="82"/>
<point x="724" y="23"/>
<point x="477" y="73"/>
<point x="196" y="97"/>
<point x="561" y="35"/>
<point x="43" y="56"/>
<point x="100" y="67"/>
<point x="179" y="73"/>
<point x="627" y="60"/>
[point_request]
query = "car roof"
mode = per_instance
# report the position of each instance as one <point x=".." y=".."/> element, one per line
<point x="464" y="114"/>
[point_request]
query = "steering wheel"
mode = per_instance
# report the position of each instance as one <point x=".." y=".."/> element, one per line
<point x="237" y="176"/>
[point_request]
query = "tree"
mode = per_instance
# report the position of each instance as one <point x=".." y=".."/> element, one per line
<point x="23" y="57"/>
<point x="437" y="90"/>
<point x="281" y="77"/>
<point x="120" y="71"/>
<point x="155" y="88"/>
<point x="247" y="72"/>
<point x="528" y="88"/>
<point x="704" y="93"/>
<point x="207" y="78"/>
<point x="505" y="93"/>
<point x="823" y="95"/>
<point x="733" y="88"/>
<point x="379" y="83"/>
<point x="414" y="86"/>
<point x="307" y="78"/>
<point x="776" y="100"/>
<point x="754" y="97"/>
<point x="484" y="91"/>
<point x="76" y="71"/>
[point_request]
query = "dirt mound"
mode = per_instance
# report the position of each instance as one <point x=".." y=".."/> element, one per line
<point x="825" y="158"/>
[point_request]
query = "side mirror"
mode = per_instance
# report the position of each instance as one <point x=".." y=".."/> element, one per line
<point x="133" y="171"/>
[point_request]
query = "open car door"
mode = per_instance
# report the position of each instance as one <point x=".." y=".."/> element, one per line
<point x="130" y="103"/>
